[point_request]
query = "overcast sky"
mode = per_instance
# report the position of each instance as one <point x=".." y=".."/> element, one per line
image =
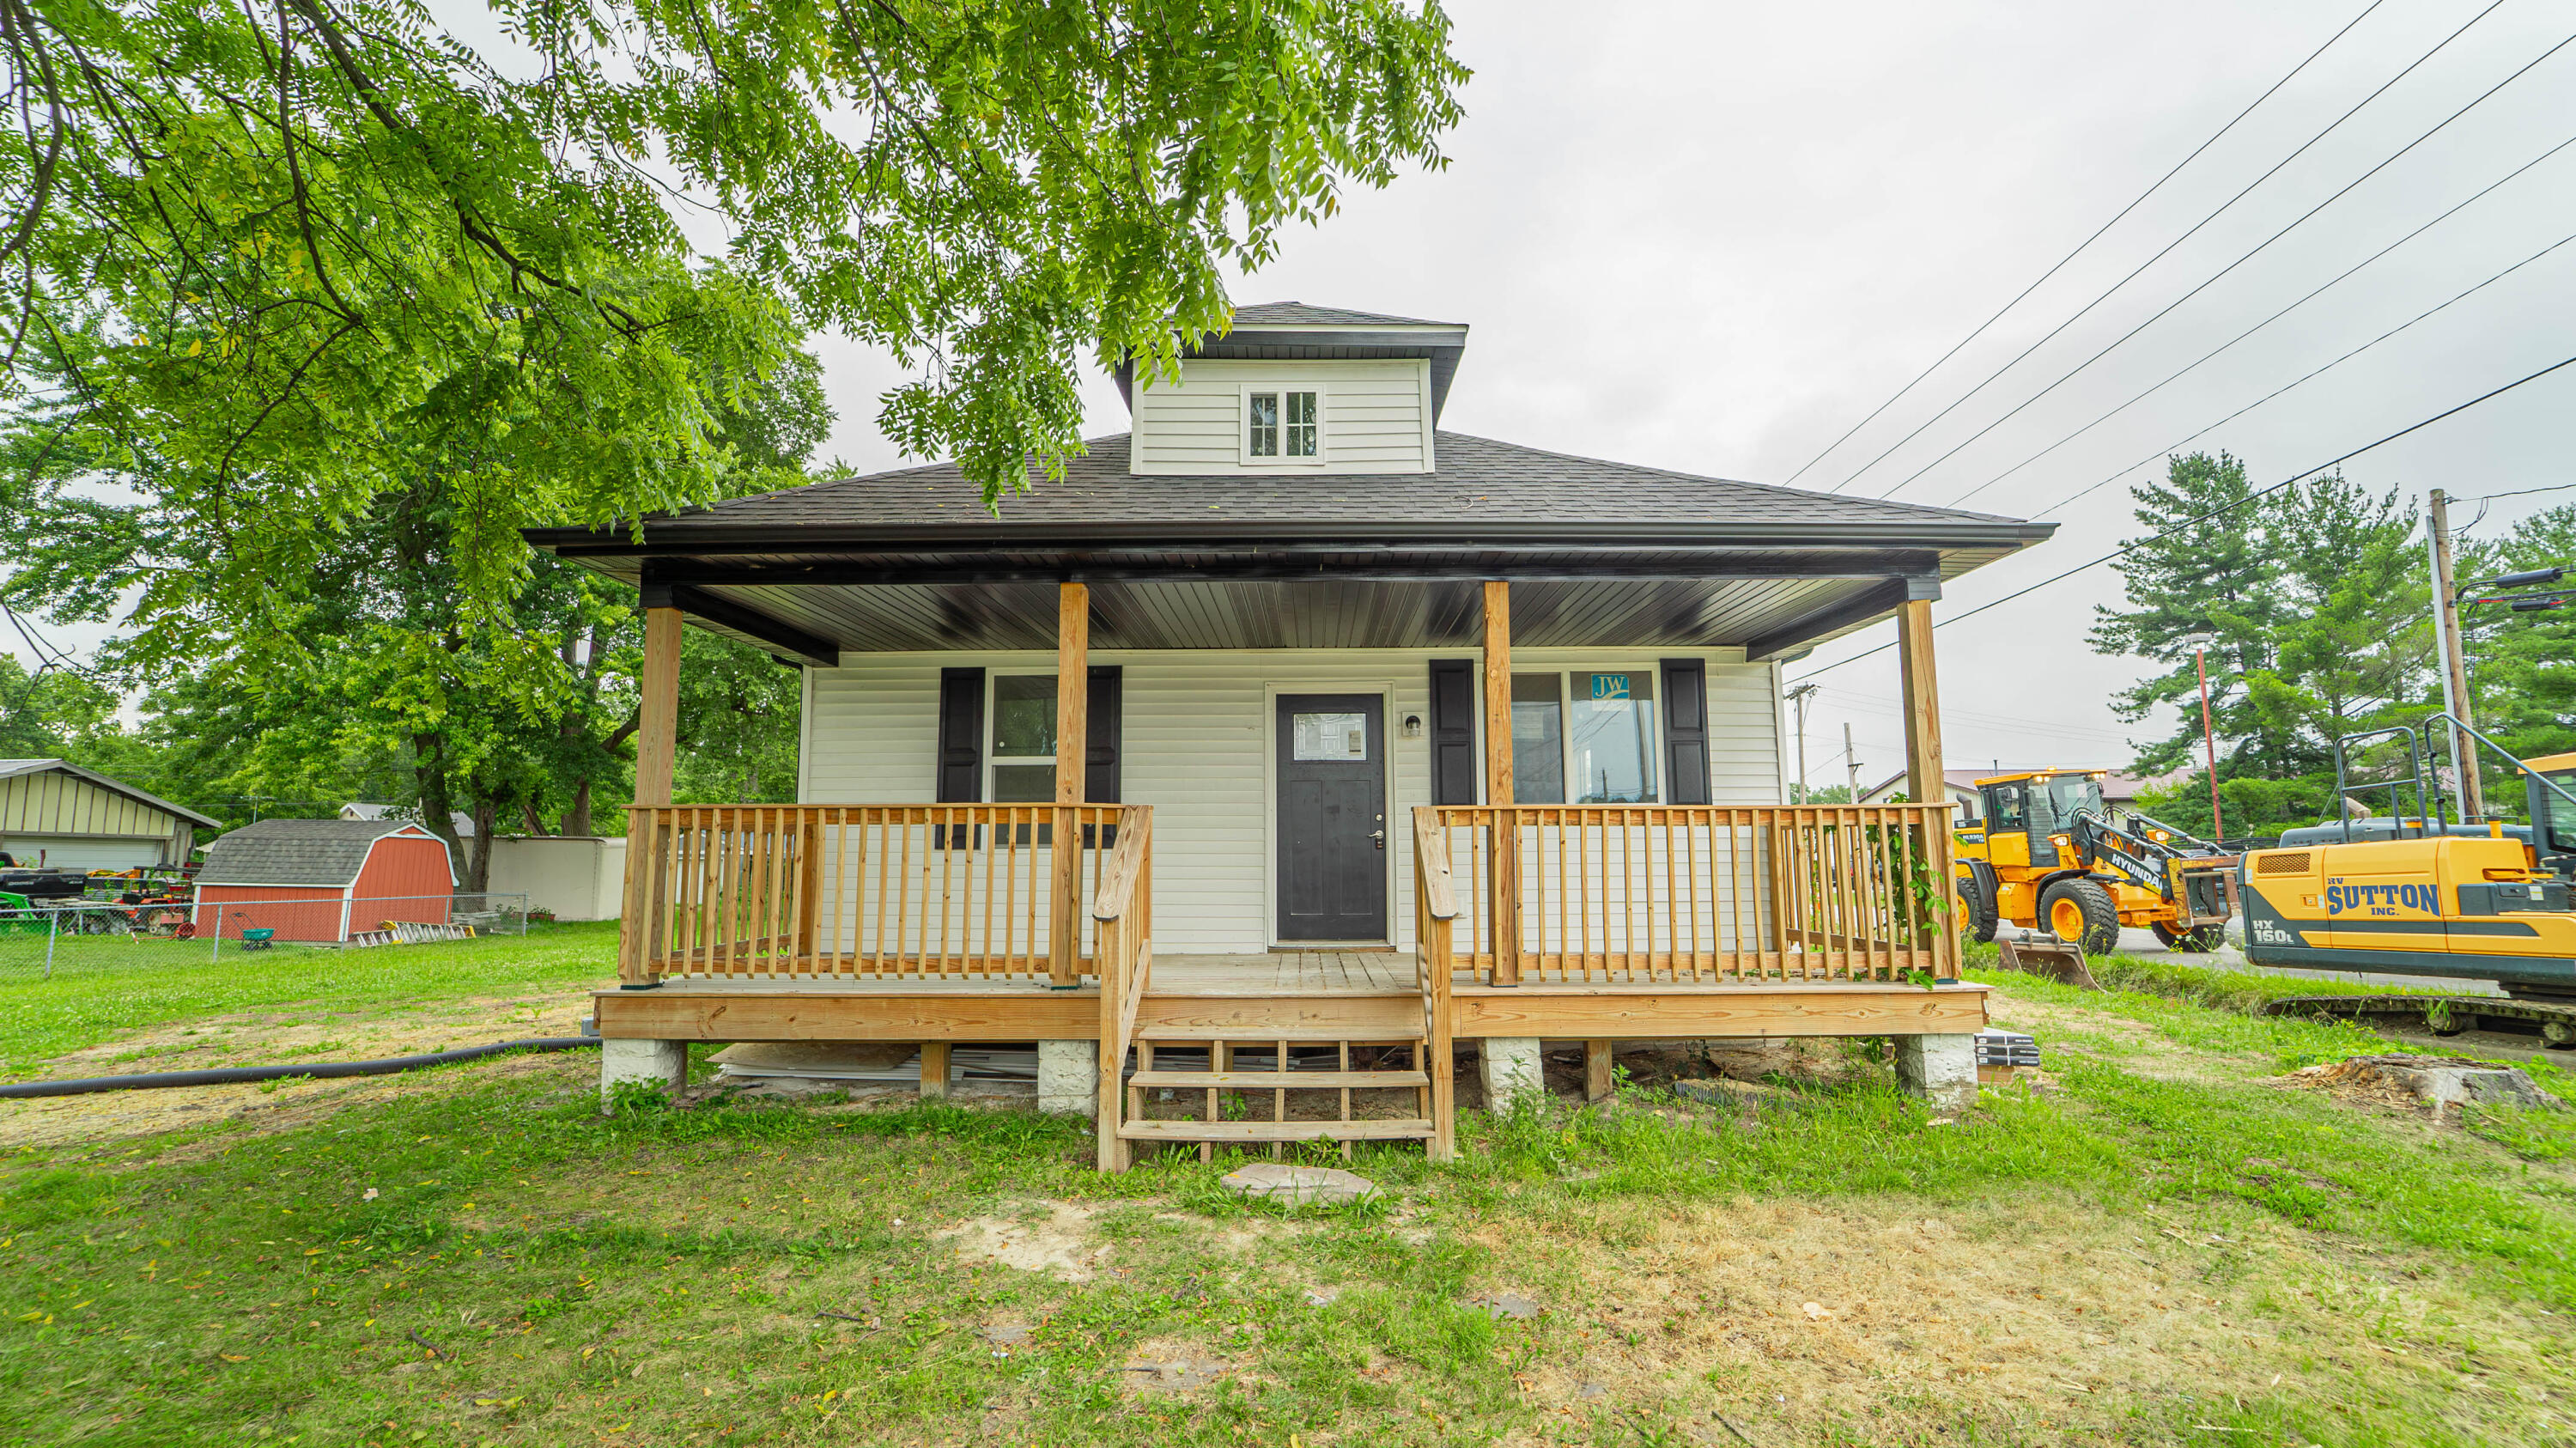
<point x="1713" y="237"/>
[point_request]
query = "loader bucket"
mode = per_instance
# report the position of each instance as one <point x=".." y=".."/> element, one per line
<point x="2048" y="958"/>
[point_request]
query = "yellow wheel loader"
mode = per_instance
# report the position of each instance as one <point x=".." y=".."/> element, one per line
<point x="2419" y="895"/>
<point x="2048" y="855"/>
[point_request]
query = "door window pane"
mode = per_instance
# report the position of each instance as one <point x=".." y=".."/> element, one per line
<point x="1538" y="739"/>
<point x="1024" y="716"/>
<point x="1611" y="742"/>
<point x="1329" y="736"/>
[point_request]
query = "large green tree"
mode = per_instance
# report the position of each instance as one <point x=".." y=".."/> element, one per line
<point x="2312" y="602"/>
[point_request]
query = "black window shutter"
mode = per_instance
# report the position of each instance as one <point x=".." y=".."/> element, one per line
<point x="1686" y="731"/>
<point x="1101" y="739"/>
<point x="961" y="744"/>
<point x="1453" y="731"/>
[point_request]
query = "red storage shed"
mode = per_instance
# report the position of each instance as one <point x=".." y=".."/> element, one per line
<point x="319" y="880"/>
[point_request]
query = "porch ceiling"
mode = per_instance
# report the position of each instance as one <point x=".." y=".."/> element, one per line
<point x="813" y="607"/>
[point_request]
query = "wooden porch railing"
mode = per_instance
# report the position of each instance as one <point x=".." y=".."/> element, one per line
<point x="790" y="891"/>
<point x="1435" y="915"/>
<point x="1124" y="911"/>
<point x="1704" y="893"/>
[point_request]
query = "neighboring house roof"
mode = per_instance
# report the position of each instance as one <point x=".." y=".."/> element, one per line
<point x="458" y="819"/>
<point x="301" y="852"/>
<point x="10" y="768"/>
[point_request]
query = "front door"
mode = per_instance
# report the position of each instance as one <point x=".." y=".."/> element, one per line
<point x="1332" y="817"/>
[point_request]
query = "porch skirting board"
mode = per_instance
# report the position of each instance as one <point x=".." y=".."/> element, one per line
<point x="960" y="1011"/>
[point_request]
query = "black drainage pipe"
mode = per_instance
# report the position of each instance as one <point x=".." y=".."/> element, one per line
<point x="230" y="1075"/>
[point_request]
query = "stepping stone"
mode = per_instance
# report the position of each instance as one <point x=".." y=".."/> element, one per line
<point x="1007" y="1334"/>
<point x="1501" y="1305"/>
<point x="1302" y="1185"/>
<point x="1323" y="1296"/>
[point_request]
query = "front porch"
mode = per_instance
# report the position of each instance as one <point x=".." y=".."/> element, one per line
<point x="992" y="922"/>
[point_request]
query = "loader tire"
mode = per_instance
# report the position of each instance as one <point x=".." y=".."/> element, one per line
<point x="1976" y="909"/>
<point x="2199" y="940"/>
<point x="2080" y="913"/>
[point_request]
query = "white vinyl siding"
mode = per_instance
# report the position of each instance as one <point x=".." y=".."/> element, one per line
<point x="1376" y="416"/>
<point x="1196" y="745"/>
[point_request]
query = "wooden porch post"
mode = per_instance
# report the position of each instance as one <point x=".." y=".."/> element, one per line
<point x="1503" y="891"/>
<point x="1072" y="735"/>
<point x="1924" y="781"/>
<point x="656" y="746"/>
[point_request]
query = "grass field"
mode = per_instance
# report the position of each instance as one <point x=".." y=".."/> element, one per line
<point x="2165" y="1247"/>
<point x="106" y="988"/>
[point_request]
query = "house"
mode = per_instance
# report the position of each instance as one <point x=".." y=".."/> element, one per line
<point x="2119" y="790"/>
<point x="65" y="817"/>
<point x="368" y="809"/>
<point x="1376" y="733"/>
<point x="320" y="880"/>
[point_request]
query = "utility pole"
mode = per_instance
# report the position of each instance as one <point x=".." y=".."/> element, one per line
<point x="2455" y="671"/>
<point x="2209" y="740"/>
<point x="1799" y="696"/>
<point x="1851" y="763"/>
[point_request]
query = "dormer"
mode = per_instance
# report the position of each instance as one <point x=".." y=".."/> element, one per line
<point x="1294" y="389"/>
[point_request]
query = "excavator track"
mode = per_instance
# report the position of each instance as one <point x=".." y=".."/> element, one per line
<point x="2554" y="1021"/>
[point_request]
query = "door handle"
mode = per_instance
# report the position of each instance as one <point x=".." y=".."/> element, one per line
<point x="1379" y="837"/>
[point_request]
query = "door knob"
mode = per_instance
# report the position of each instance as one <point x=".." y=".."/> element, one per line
<point x="1379" y="837"/>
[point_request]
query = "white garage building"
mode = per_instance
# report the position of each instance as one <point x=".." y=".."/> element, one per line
<point x="66" y="818"/>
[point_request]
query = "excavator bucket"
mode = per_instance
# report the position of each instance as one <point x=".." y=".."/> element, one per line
<point x="2049" y="958"/>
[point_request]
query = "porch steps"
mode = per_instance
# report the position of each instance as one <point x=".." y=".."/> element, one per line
<point x="1198" y="1072"/>
<point x="1301" y="1080"/>
<point x="1405" y="1128"/>
<point x="1177" y="1033"/>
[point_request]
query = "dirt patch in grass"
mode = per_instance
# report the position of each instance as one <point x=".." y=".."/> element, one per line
<point x="2044" y="1313"/>
<point x="1054" y="1238"/>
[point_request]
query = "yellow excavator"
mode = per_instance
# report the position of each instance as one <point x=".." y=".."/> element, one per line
<point x="2420" y="895"/>
<point x="2049" y="855"/>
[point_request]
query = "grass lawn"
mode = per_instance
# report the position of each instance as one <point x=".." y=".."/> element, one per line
<point x="2166" y="1246"/>
<point x="107" y="989"/>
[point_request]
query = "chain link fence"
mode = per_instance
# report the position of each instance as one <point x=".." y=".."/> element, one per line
<point x="45" y="939"/>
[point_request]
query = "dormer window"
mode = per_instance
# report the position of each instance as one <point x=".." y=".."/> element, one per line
<point x="1281" y="426"/>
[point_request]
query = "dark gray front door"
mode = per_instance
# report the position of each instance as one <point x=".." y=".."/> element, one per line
<point x="1332" y="817"/>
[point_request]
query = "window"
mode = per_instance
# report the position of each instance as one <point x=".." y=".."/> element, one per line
<point x="1594" y="731"/>
<point x="1610" y="738"/>
<point x="1538" y="739"/>
<point x="1282" y="425"/>
<point x="2004" y="808"/>
<point x="1023" y="739"/>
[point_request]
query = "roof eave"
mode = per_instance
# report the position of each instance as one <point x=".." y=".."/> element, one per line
<point x="688" y="537"/>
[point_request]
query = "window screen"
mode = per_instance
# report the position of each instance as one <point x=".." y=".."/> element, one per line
<point x="1611" y="737"/>
<point x="1302" y="425"/>
<point x="1262" y="435"/>
<point x="1023" y="739"/>
<point x="1538" y="739"/>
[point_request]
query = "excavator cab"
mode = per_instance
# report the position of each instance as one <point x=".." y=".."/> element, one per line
<point x="2553" y="818"/>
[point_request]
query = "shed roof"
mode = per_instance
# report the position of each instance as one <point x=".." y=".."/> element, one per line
<point x="10" y="768"/>
<point x="301" y="852"/>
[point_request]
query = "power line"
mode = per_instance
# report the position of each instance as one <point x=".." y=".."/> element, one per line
<point x="2214" y="279"/>
<point x="2168" y="247"/>
<point x="2135" y="544"/>
<point x="2259" y="326"/>
<point x="2081" y="246"/>
<point x="2523" y="492"/>
<point x="2168" y="448"/>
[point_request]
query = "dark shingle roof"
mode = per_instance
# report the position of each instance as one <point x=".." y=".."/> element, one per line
<point x="1482" y="488"/>
<point x="295" y="852"/>
<point x="1298" y="314"/>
